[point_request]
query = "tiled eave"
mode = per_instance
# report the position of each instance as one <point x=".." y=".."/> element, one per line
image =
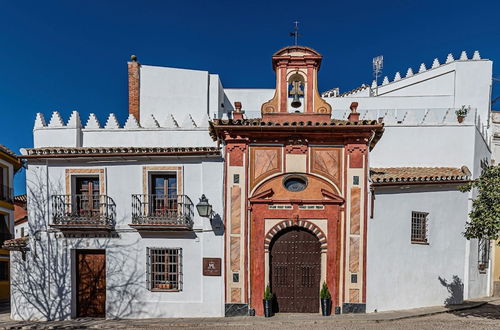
<point x="16" y="244"/>
<point x="418" y="175"/>
<point x="10" y="156"/>
<point x="89" y="152"/>
<point x="218" y="126"/>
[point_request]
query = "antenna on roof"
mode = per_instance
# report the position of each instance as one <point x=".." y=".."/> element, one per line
<point x="378" y="64"/>
<point x="295" y="33"/>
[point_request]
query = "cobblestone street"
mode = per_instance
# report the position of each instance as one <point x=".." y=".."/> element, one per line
<point x="485" y="316"/>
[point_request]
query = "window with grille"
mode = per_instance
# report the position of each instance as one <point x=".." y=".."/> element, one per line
<point x="483" y="253"/>
<point x="164" y="267"/>
<point x="419" y="227"/>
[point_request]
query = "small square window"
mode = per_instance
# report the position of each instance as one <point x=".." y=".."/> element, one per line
<point x="355" y="180"/>
<point x="419" y="227"/>
<point x="236" y="277"/>
<point x="164" y="269"/>
<point x="236" y="178"/>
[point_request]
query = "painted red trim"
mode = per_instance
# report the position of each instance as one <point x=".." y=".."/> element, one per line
<point x="248" y="232"/>
<point x="344" y="268"/>
<point x="226" y="255"/>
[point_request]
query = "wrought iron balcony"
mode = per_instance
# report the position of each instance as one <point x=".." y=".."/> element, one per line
<point x="158" y="212"/>
<point x="6" y="194"/>
<point x="83" y="212"/>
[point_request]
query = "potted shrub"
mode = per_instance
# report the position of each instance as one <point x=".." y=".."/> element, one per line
<point x="462" y="113"/>
<point x="326" y="300"/>
<point x="268" y="302"/>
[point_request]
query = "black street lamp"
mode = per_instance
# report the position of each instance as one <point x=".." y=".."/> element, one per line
<point x="204" y="208"/>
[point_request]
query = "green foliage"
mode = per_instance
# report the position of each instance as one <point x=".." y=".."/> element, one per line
<point x="267" y="293"/>
<point x="325" y="293"/>
<point x="485" y="215"/>
<point x="463" y="111"/>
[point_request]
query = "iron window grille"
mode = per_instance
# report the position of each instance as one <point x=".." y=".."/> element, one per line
<point x="483" y="251"/>
<point x="164" y="269"/>
<point x="419" y="227"/>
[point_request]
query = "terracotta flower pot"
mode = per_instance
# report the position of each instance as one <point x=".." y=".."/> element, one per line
<point x="460" y="118"/>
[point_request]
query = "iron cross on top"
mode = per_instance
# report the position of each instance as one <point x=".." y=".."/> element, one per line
<point x="295" y="34"/>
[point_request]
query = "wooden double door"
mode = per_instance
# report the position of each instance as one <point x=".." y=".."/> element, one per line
<point x="295" y="271"/>
<point x="91" y="283"/>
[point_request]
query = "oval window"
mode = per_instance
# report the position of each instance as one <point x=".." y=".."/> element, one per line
<point x="295" y="183"/>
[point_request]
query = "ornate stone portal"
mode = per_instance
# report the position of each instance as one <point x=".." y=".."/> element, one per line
<point x="296" y="168"/>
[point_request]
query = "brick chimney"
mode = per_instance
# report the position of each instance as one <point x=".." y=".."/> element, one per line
<point x="354" y="115"/>
<point x="134" y="83"/>
<point x="237" y="113"/>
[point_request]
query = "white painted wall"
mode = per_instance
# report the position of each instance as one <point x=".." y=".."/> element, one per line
<point x="172" y="91"/>
<point x="403" y="275"/>
<point x="127" y="293"/>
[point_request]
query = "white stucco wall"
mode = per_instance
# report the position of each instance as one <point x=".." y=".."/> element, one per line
<point x="44" y="284"/>
<point x="403" y="275"/>
<point x="172" y="91"/>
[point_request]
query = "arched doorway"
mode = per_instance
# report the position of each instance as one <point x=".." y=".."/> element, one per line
<point x="295" y="270"/>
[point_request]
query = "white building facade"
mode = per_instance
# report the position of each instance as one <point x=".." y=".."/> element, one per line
<point x="160" y="258"/>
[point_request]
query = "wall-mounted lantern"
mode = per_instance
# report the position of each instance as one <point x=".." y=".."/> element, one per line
<point x="204" y="207"/>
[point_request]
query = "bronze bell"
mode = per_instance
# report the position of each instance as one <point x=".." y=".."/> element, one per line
<point x="296" y="91"/>
<point x="296" y="101"/>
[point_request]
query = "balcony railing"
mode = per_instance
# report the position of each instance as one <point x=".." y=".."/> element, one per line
<point x="158" y="212"/>
<point x="6" y="194"/>
<point x="83" y="212"/>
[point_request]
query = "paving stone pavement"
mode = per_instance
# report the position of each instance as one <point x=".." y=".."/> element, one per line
<point x="479" y="314"/>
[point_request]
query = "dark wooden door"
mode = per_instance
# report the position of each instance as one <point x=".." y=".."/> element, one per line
<point x="91" y="283"/>
<point x="295" y="267"/>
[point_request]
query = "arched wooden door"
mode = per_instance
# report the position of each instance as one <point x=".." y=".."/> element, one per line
<point x="295" y="271"/>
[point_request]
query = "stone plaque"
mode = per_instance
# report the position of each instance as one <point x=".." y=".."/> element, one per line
<point x="211" y="266"/>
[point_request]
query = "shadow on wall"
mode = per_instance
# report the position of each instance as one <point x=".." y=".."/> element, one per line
<point x="455" y="289"/>
<point x="217" y="225"/>
<point x="42" y="284"/>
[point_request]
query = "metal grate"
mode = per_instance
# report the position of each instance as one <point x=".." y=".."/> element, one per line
<point x="419" y="227"/>
<point x="483" y="253"/>
<point x="164" y="269"/>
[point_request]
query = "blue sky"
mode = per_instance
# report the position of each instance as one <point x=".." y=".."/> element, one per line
<point x="71" y="55"/>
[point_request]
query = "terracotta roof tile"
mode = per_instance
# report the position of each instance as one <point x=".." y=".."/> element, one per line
<point x="49" y="152"/>
<point x="16" y="244"/>
<point x="7" y="151"/>
<point x="418" y="174"/>
<point x="21" y="198"/>
<point x="260" y="122"/>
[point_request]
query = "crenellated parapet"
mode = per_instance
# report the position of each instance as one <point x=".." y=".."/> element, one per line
<point x="167" y="131"/>
<point x="398" y="77"/>
<point x="169" y="121"/>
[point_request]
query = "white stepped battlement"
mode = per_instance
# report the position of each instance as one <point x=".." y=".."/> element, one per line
<point x="168" y="122"/>
<point x="435" y="64"/>
<point x="169" y="131"/>
<point x="398" y="77"/>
